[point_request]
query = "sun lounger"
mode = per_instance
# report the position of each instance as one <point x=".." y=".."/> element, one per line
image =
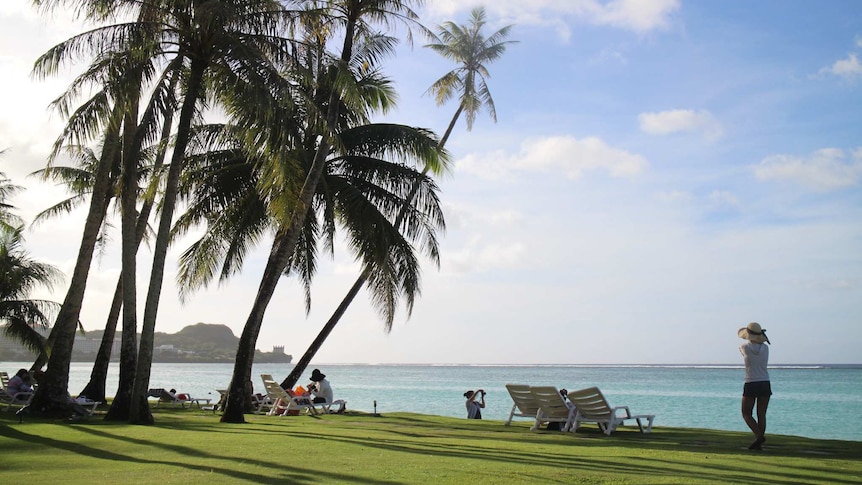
<point x="594" y="408"/>
<point x="552" y="408"/>
<point x="525" y="404"/>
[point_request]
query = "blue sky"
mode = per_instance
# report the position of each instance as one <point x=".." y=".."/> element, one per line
<point x="661" y="173"/>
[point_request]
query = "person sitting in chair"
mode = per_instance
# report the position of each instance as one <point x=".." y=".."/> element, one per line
<point x="320" y="388"/>
<point x="21" y="382"/>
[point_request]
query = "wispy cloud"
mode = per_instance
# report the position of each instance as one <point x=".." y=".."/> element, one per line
<point x="848" y="68"/>
<point x="633" y="15"/>
<point x="824" y="170"/>
<point x="681" y="121"/>
<point x="567" y="155"/>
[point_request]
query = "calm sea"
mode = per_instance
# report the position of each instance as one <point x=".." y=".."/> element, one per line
<point x="810" y="401"/>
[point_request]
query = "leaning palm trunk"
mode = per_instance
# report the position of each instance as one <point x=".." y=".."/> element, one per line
<point x="282" y="249"/>
<point x="95" y="388"/>
<point x="309" y="354"/>
<point x="140" y="411"/>
<point x="51" y="398"/>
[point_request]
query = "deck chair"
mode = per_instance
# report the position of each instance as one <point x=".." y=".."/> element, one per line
<point x="592" y="407"/>
<point x="181" y="399"/>
<point x="283" y="403"/>
<point x="552" y="407"/>
<point x="525" y="404"/>
<point x="4" y="380"/>
<point x="326" y="407"/>
<point x="21" y="399"/>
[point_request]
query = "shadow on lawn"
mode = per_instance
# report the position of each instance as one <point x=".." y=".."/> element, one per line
<point x="288" y="474"/>
<point x="709" y="455"/>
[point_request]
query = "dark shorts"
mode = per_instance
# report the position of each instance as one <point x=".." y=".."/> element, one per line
<point x="757" y="389"/>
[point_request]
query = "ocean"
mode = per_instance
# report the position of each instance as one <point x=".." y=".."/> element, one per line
<point x="809" y="400"/>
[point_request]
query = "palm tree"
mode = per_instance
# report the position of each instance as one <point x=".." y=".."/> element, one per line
<point x="8" y="220"/>
<point x="467" y="46"/>
<point x="224" y="45"/>
<point x="355" y="16"/>
<point x="19" y="275"/>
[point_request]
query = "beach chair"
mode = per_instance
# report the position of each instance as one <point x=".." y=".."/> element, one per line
<point x="592" y="407"/>
<point x="283" y="403"/>
<point x="552" y="408"/>
<point x="21" y="399"/>
<point x="182" y="399"/>
<point x="4" y="380"/>
<point x="525" y="404"/>
<point x="326" y="407"/>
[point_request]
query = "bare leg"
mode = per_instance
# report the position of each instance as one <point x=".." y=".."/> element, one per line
<point x="747" y="410"/>
<point x="762" y="404"/>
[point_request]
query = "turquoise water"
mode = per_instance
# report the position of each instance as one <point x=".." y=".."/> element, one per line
<point x="811" y="401"/>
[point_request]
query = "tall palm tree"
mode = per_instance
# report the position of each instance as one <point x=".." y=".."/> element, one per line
<point x="224" y="45"/>
<point x="467" y="46"/>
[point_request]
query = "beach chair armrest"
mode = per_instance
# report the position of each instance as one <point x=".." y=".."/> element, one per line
<point x="628" y="413"/>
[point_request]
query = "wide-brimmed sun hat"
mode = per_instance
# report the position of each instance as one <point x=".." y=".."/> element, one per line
<point x="753" y="333"/>
<point x="317" y="376"/>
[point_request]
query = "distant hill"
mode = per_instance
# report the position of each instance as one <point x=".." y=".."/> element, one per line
<point x="206" y="342"/>
<point x="201" y="342"/>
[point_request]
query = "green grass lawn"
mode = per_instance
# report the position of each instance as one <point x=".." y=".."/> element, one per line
<point x="190" y="446"/>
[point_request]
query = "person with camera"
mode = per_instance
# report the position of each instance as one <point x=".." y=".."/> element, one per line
<point x="474" y="407"/>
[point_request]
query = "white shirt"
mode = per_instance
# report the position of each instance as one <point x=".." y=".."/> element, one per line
<point x="324" y="390"/>
<point x="756" y="357"/>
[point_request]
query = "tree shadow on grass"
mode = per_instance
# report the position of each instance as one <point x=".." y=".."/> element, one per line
<point x="288" y="474"/>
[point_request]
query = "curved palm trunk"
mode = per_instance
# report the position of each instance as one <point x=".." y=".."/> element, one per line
<point x="309" y="354"/>
<point x="51" y="397"/>
<point x="140" y="411"/>
<point x="95" y="388"/>
<point x="283" y="247"/>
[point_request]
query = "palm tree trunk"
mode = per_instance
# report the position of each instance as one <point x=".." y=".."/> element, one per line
<point x="140" y="410"/>
<point x="119" y="409"/>
<point x="51" y="397"/>
<point x="309" y="354"/>
<point x="95" y="389"/>
<point x="283" y="248"/>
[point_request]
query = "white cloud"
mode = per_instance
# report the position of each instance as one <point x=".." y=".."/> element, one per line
<point x="824" y="170"/>
<point x="639" y="16"/>
<point x="681" y="120"/>
<point x="477" y="256"/>
<point x="848" y="68"/>
<point x="674" y="196"/>
<point x="559" y="154"/>
<point x="723" y="198"/>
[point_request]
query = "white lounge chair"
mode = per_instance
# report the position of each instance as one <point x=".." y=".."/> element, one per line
<point x="284" y="404"/>
<point x="21" y="398"/>
<point x="552" y="407"/>
<point x="525" y="404"/>
<point x="592" y="407"/>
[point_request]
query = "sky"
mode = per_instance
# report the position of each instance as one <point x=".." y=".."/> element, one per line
<point x="661" y="173"/>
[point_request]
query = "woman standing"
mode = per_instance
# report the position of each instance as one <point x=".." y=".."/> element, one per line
<point x="757" y="388"/>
